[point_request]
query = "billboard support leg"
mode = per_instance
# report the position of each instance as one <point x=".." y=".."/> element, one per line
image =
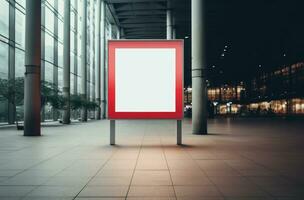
<point x="179" y="132"/>
<point x="112" y="132"/>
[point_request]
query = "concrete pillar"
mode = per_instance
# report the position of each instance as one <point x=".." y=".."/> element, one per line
<point x="42" y="67"/>
<point x="66" y="62"/>
<point x="93" y="56"/>
<point x="174" y="34"/>
<point x="199" y="86"/>
<point x="55" y="50"/>
<point x="174" y="28"/>
<point x="76" y="50"/>
<point x="169" y="21"/>
<point x="89" y="53"/>
<point x="84" y="112"/>
<point x="121" y="33"/>
<point x="97" y="59"/>
<point x="102" y="66"/>
<point x="32" y="100"/>
<point x="118" y="33"/>
<point x="11" y="62"/>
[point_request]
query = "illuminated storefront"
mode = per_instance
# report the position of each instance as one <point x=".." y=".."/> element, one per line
<point x="280" y="107"/>
<point x="298" y="106"/>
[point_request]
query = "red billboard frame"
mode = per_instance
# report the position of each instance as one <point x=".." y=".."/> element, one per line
<point x="178" y="46"/>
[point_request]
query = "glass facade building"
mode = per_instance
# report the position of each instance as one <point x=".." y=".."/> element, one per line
<point x="12" y="47"/>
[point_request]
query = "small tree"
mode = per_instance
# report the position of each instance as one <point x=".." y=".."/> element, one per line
<point x="50" y="93"/>
<point x="12" y="90"/>
<point x="91" y="105"/>
<point x="76" y="102"/>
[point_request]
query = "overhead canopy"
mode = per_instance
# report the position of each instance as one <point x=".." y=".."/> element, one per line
<point x="146" y="19"/>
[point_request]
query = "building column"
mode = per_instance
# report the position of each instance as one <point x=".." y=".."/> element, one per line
<point x="118" y="35"/>
<point x="93" y="55"/>
<point x="84" y="112"/>
<point x="42" y="67"/>
<point x="11" y="71"/>
<point x="55" y="50"/>
<point x="102" y="66"/>
<point x="169" y="20"/>
<point x="199" y="86"/>
<point x="76" y="50"/>
<point x="66" y="62"/>
<point x="174" y="28"/>
<point x="97" y="59"/>
<point x="121" y="33"/>
<point x="32" y="97"/>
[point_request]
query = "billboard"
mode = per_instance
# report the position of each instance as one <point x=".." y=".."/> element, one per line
<point x="145" y="79"/>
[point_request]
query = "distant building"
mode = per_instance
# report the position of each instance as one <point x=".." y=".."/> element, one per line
<point x="279" y="92"/>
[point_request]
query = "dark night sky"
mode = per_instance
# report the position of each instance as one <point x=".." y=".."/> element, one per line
<point x="256" y="33"/>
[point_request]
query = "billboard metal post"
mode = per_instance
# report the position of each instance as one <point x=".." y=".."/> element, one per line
<point x="179" y="132"/>
<point x="112" y="132"/>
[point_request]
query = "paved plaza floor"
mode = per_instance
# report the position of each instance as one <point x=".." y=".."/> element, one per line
<point x="241" y="159"/>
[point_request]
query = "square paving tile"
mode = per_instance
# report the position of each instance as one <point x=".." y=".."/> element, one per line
<point x="25" y="180"/>
<point x="190" y="180"/>
<point x="115" y="173"/>
<point x="151" y="191"/>
<point x="152" y="164"/>
<point x="110" y="181"/>
<point x="146" y="178"/>
<point x="196" y="191"/>
<point x="104" y="191"/>
<point x="242" y="191"/>
<point x="14" y="191"/>
<point x="55" y="191"/>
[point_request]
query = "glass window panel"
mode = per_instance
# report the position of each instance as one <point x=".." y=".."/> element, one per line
<point x="61" y="7"/>
<point x="21" y="2"/>
<point x="73" y="3"/>
<point x="20" y="29"/>
<point x="49" y="70"/>
<point x="60" y="30"/>
<point x="4" y="18"/>
<point x="79" y="46"/>
<point x="60" y="78"/>
<point x="51" y="2"/>
<point x="72" y="56"/>
<point x="79" y="84"/>
<point x="60" y="55"/>
<point x="49" y="48"/>
<point x="72" y="19"/>
<point x="92" y="91"/>
<point x="3" y="60"/>
<point x="72" y="40"/>
<point x="3" y="74"/>
<point x="79" y="66"/>
<point x="19" y="63"/>
<point x="49" y="19"/>
<point x="80" y="7"/>
<point x="3" y="111"/>
<point x="72" y="83"/>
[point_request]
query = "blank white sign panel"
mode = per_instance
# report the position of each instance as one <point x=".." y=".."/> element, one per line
<point x="145" y="79"/>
